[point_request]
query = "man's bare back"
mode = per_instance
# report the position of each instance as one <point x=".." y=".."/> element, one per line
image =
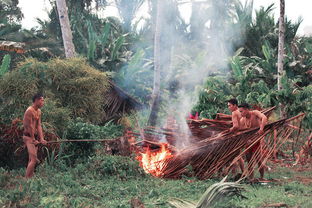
<point x="31" y="122"/>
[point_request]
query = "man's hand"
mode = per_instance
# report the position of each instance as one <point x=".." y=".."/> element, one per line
<point x="217" y="116"/>
<point x="44" y="142"/>
<point x="248" y="142"/>
<point x="35" y="142"/>
<point x="260" y="132"/>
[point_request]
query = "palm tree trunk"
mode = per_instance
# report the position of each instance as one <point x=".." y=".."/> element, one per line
<point x="65" y="27"/>
<point x="157" y="66"/>
<point x="280" y="58"/>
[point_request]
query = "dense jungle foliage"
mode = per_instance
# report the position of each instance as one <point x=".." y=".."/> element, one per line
<point x="235" y="55"/>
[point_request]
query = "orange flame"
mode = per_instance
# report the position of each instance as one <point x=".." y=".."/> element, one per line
<point x="154" y="162"/>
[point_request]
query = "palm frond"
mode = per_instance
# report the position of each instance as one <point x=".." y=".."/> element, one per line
<point x="211" y="196"/>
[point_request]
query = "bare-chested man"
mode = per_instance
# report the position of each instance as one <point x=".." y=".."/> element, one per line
<point x="236" y="116"/>
<point x="252" y="119"/>
<point x="33" y="135"/>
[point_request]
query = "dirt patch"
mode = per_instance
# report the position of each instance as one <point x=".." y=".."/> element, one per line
<point x="304" y="180"/>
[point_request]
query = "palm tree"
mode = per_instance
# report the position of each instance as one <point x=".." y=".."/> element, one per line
<point x="127" y="11"/>
<point x="281" y="37"/>
<point x="280" y="57"/>
<point x="65" y="27"/>
<point x="157" y="65"/>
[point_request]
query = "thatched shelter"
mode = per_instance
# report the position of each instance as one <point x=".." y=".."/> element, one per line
<point x="11" y="46"/>
<point x="118" y="102"/>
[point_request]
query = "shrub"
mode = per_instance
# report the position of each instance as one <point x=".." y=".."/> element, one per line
<point x="81" y="130"/>
<point x="71" y="85"/>
<point x="120" y="166"/>
<point x="55" y="117"/>
<point x="4" y="177"/>
<point x="212" y="98"/>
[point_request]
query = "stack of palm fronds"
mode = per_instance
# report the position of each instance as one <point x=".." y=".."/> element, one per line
<point x="13" y="153"/>
<point x="161" y="135"/>
<point x="200" y="129"/>
<point x="205" y="128"/>
<point x="208" y="156"/>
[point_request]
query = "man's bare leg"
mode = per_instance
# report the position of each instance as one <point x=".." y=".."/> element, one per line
<point x="32" y="154"/>
<point x="261" y="170"/>
<point x="234" y="168"/>
<point x="248" y="158"/>
<point x="241" y="164"/>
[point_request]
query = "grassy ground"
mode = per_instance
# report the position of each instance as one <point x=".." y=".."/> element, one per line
<point x="99" y="182"/>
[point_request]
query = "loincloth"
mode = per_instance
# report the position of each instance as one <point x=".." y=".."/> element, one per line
<point x="36" y="136"/>
<point x="254" y="148"/>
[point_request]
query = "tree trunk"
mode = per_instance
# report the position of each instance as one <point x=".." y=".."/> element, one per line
<point x="65" y="27"/>
<point x="157" y="66"/>
<point x="281" y="34"/>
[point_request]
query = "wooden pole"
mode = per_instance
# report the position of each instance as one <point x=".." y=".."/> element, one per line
<point x="80" y="140"/>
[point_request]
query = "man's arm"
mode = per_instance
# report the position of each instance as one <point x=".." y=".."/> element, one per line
<point x="235" y="121"/>
<point x="222" y="115"/>
<point x="264" y="120"/>
<point x="40" y="133"/>
<point x="27" y="123"/>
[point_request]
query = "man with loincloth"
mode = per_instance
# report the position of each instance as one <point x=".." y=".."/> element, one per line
<point x="236" y="116"/>
<point x="32" y="134"/>
<point x="252" y="119"/>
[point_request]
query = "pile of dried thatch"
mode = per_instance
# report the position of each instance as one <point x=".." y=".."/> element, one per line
<point x="205" y="157"/>
<point x="13" y="153"/>
<point x="72" y="84"/>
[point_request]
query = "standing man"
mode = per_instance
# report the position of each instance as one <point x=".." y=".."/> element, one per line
<point x="33" y="135"/>
<point x="252" y="119"/>
<point x="236" y="116"/>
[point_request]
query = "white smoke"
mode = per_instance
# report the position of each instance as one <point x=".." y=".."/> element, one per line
<point x="193" y="60"/>
<point x="196" y="41"/>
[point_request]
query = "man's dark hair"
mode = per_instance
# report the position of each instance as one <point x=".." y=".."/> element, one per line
<point x="244" y="105"/>
<point x="233" y="101"/>
<point x="37" y="96"/>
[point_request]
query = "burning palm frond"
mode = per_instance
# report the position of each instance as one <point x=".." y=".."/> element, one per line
<point x="206" y="157"/>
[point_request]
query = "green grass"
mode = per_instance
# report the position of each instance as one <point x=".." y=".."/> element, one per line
<point x="87" y="185"/>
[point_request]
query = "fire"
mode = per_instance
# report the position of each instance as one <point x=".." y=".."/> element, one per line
<point x="153" y="162"/>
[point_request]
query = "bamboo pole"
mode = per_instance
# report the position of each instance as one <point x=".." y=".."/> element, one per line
<point x="81" y="140"/>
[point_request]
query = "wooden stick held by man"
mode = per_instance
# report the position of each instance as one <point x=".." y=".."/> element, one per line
<point x="32" y="134"/>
